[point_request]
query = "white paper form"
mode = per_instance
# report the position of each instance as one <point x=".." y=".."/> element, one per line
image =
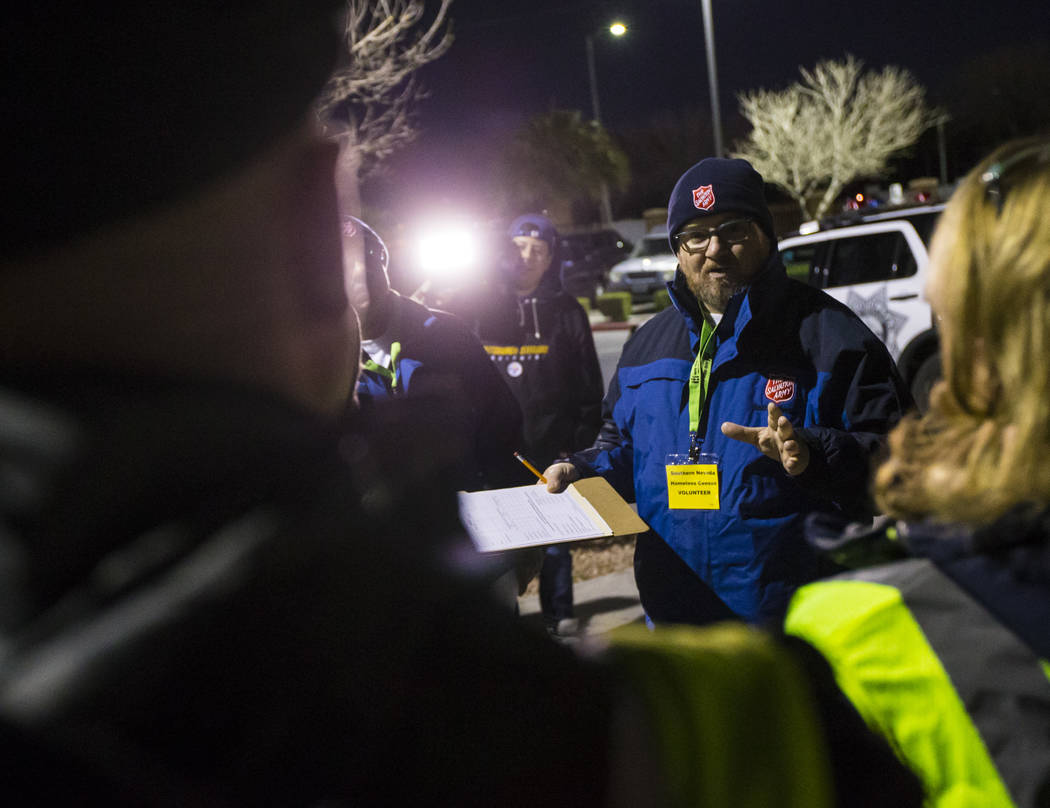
<point x="527" y="516"/>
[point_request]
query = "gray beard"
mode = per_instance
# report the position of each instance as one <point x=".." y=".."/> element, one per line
<point x="713" y="294"/>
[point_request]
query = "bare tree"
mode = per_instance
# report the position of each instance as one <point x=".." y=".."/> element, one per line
<point x="368" y="104"/>
<point x="839" y="123"/>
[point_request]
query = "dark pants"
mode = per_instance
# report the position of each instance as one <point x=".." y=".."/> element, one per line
<point x="556" y="583"/>
<point x="669" y="590"/>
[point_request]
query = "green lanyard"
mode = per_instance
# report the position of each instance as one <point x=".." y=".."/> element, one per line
<point x="699" y="377"/>
<point x="390" y="373"/>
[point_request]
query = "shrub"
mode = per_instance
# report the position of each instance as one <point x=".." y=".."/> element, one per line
<point x="615" y="305"/>
<point x="585" y="302"/>
<point x="661" y="299"/>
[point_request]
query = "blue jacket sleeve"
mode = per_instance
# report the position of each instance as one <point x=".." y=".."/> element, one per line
<point x="612" y="455"/>
<point x="861" y="402"/>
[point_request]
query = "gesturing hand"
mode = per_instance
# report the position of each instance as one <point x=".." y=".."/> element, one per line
<point x="777" y="440"/>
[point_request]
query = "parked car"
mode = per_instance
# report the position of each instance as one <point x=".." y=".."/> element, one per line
<point x="650" y="265"/>
<point x="876" y="263"/>
<point x="587" y="258"/>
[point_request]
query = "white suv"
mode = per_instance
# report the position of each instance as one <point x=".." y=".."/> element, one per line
<point x="650" y="266"/>
<point x="876" y="264"/>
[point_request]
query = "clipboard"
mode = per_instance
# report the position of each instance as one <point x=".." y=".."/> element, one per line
<point x="529" y="516"/>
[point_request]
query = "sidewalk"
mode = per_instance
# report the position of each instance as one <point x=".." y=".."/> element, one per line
<point x="601" y="604"/>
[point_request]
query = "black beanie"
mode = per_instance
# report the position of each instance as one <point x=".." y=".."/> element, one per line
<point x="718" y="185"/>
<point x="109" y="109"/>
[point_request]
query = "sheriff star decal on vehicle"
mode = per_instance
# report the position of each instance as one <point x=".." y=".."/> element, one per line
<point x="877" y="315"/>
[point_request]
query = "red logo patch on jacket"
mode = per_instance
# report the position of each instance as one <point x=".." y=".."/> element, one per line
<point x="704" y="197"/>
<point x="780" y="390"/>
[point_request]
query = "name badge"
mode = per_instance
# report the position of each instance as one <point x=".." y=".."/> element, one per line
<point x="692" y="484"/>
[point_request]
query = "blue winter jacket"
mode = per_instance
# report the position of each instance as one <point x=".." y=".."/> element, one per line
<point x="779" y="340"/>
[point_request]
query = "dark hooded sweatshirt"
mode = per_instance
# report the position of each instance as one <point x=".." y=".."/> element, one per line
<point x="542" y="345"/>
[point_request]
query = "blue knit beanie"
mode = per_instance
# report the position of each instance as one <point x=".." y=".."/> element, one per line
<point x="718" y="185"/>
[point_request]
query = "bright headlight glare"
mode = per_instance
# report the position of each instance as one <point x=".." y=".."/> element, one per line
<point x="448" y="252"/>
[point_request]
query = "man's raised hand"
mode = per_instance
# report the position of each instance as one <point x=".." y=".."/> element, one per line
<point x="776" y="440"/>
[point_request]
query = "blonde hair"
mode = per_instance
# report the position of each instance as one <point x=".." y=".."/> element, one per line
<point x="984" y="445"/>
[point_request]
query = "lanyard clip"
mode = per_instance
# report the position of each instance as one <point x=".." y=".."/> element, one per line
<point x="695" y="442"/>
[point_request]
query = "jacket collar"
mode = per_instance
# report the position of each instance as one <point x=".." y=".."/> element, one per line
<point x="1004" y="565"/>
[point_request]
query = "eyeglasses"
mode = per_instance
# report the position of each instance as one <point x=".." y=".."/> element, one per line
<point x="695" y="239"/>
<point x="992" y="179"/>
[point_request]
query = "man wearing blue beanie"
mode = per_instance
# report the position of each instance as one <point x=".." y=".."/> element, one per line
<point x="752" y="402"/>
<point x="540" y="341"/>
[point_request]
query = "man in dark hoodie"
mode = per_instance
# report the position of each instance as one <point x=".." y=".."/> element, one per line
<point x="540" y="339"/>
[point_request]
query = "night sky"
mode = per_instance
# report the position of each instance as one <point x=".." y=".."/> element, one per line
<point x="513" y="60"/>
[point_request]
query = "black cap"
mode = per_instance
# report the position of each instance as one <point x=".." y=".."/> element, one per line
<point x="109" y="109"/>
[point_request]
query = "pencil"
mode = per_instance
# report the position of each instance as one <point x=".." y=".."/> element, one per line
<point x="531" y="468"/>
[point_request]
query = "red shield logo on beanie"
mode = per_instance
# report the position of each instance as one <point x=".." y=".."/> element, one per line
<point x="704" y="197"/>
<point x="780" y="390"/>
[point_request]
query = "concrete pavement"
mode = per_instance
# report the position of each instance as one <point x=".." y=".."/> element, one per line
<point x="601" y="604"/>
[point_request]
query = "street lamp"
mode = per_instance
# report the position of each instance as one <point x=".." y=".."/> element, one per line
<point x="712" y="77"/>
<point x="617" y="29"/>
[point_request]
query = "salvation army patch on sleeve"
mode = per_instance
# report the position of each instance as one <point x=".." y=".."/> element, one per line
<point x="780" y="391"/>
